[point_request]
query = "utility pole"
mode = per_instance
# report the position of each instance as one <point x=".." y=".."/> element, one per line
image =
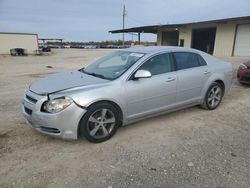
<point x="123" y="23"/>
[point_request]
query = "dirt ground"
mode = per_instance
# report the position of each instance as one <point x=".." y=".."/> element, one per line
<point x="188" y="148"/>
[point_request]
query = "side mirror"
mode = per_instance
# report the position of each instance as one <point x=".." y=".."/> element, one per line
<point x="142" y="74"/>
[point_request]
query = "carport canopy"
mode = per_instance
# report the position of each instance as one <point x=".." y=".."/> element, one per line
<point x="144" y="29"/>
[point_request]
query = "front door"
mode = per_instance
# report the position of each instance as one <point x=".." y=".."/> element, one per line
<point x="148" y="95"/>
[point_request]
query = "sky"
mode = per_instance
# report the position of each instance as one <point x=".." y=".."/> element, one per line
<point x="90" y="20"/>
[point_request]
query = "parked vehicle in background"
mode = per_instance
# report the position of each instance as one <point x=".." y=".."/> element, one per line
<point x="243" y="74"/>
<point x="115" y="46"/>
<point x="46" y="49"/>
<point x="90" y="46"/>
<point x="18" y="52"/>
<point x="123" y="87"/>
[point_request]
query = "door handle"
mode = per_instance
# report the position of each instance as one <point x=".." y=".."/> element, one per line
<point x="207" y="72"/>
<point x="170" y="79"/>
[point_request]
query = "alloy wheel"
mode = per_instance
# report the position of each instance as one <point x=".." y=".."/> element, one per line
<point x="214" y="96"/>
<point x="101" y="123"/>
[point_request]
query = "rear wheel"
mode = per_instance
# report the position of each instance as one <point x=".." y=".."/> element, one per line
<point x="213" y="96"/>
<point x="99" y="123"/>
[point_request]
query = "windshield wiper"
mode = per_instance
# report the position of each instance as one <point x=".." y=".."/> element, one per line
<point x="94" y="74"/>
<point x="81" y="70"/>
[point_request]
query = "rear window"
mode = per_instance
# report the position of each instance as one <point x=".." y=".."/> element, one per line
<point x="185" y="60"/>
<point x="201" y="60"/>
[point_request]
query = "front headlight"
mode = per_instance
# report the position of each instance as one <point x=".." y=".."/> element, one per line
<point x="56" y="105"/>
<point x="242" y="66"/>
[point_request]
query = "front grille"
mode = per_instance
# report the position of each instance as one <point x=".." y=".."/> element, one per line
<point x="31" y="99"/>
<point x="50" y="130"/>
<point x="27" y="110"/>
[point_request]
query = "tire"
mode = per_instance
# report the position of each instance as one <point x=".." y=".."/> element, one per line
<point x="100" y="122"/>
<point x="213" y="96"/>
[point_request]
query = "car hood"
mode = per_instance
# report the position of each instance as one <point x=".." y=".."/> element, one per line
<point x="63" y="81"/>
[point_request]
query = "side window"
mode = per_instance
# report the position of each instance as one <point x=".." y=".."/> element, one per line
<point x="158" y="64"/>
<point x="185" y="60"/>
<point x="201" y="61"/>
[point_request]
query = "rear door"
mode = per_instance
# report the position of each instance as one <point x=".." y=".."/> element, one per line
<point x="192" y="74"/>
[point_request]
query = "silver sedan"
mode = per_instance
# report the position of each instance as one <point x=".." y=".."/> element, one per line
<point x="123" y="87"/>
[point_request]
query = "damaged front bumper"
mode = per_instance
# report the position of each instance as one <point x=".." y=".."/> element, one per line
<point x="63" y="124"/>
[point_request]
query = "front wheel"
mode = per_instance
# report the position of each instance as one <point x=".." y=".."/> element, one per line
<point x="213" y="96"/>
<point x="99" y="123"/>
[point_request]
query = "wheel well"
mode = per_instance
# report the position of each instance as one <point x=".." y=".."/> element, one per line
<point x="222" y="84"/>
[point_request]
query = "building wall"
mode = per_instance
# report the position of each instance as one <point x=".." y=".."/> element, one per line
<point x="159" y="37"/>
<point x="170" y="38"/>
<point x="185" y="33"/>
<point x="11" y="40"/>
<point x="224" y="39"/>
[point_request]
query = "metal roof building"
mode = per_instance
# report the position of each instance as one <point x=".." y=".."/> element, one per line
<point x="27" y="41"/>
<point x="222" y="37"/>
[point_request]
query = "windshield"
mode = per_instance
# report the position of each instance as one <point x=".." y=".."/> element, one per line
<point x="113" y="65"/>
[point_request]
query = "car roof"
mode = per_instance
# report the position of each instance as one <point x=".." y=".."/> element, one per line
<point x="156" y="49"/>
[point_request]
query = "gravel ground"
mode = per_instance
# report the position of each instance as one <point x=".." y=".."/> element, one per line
<point x="188" y="148"/>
